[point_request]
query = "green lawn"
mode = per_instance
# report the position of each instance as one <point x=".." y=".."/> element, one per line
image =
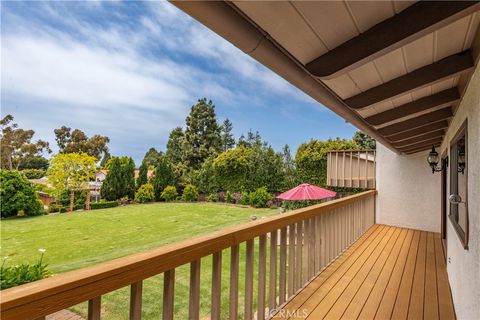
<point x="84" y="238"/>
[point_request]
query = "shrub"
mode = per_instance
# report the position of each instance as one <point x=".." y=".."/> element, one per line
<point x="103" y="204"/>
<point x="212" y="197"/>
<point x="169" y="193"/>
<point x="34" y="173"/>
<point x="229" y="197"/>
<point x="190" y="193"/>
<point x="244" y="198"/>
<point x="17" y="194"/>
<point x="260" y="197"/>
<point x="145" y="193"/>
<point x="57" y="208"/>
<point x="21" y="274"/>
<point x="79" y="199"/>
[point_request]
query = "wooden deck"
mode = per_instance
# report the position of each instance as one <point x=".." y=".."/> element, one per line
<point x="389" y="273"/>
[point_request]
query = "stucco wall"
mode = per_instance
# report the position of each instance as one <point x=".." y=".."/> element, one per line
<point x="464" y="265"/>
<point x="408" y="192"/>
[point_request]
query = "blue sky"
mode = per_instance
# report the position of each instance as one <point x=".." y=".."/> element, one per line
<point x="132" y="70"/>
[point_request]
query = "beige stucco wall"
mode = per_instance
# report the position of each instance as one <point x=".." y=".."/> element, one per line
<point x="408" y="192"/>
<point x="464" y="265"/>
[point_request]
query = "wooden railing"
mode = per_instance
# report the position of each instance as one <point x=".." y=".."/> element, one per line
<point x="351" y="169"/>
<point x="297" y="246"/>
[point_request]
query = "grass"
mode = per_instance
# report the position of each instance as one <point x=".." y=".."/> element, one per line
<point x="85" y="238"/>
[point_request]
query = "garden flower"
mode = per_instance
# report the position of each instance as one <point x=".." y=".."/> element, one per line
<point x="41" y="250"/>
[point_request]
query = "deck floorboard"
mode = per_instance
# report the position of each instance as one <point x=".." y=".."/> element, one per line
<point x="388" y="273"/>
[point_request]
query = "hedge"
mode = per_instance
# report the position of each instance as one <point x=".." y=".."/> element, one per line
<point x="103" y="205"/>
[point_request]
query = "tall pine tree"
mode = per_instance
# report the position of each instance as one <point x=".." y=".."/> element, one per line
<point x="142" y="175"/>
<point x="163" y="177"/>
<point x="112" y="185"/>
<point x="128" y="177"/>
<point x="202" y="134"/>
<point x="174" y="146"/>
<point x="228" y="140"/>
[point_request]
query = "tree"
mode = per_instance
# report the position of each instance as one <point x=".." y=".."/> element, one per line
<point x="228" y="140"/>
<point x="112" y="185"/>
<point x="142" y="175"/>
<point x="289" y="168"/>
<point x="76" y="141"/>
<point x="128" y="177"/>
<point x="34" y="162"/>
<point x="17" y="194"/>
<point x="106" y="157"/>
<point x="252" y="140"/>
<point x="205" y="178"/>
<point x="120" y="180"/>
<point x="233" y="168"/>
<point x="202" y="134"/>
<point x="152" y="156"/>
<point x="364" y="141"/>
<point x="71" y="171"/>
<point x="16" y="145"/>
<point x="174" y="145"/>
<point x="311" y="159"/>
<point x="163" y="177"/>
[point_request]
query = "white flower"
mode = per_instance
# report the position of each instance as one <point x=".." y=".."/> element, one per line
<point x="42" y="250"/>
<point x="5" y="258"/>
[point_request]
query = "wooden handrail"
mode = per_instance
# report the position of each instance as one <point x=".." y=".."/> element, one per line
<point x="52" y="294"/>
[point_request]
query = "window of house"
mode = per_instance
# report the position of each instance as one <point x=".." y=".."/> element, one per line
<point x="459" y="184"/>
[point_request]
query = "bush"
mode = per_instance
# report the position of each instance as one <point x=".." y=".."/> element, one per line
<point x="57" y="208"/>
<point x="145" y="193"/>
<point x="17" y="194"/>
<point x="244" y="198"/>
<point x="297" y="204"/>
<point x="79" y="199"/>
<point x="190" y="193"/>
<point x="21" y="274"/>
<point x="212" y="197"/>
<point x="229" y="197"/>
<point x="34" y="173"/>
<point x="169" y="193"/>
<point x="260" y="198"/>
<point x="103" y="204"/>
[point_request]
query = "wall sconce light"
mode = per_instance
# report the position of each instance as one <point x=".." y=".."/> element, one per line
<point x="433" y="160"/>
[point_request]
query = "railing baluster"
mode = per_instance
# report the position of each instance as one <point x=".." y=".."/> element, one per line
<point x="262" y="261"/>
<point x="272" y="288"/>
<point x="95" y="308"/>
<point x="305" y="253"/>
<point x="291" y="260"/>
<point x="234" y="260"/>
<point x="282" y="290"/>
<point x="249" y="280"/>
<point x="317" y="244"/>
<point x="323" y="240"/>
<point x="298" y="256"/>
<point x="194" y="295"/>
<point x="136" y="300"/>
<point x="168" y="294"/>
<point x="311" y="248"/>
<point x="216" y="285"/>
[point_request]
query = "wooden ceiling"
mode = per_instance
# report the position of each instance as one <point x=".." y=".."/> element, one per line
<point x="399" y="67"/>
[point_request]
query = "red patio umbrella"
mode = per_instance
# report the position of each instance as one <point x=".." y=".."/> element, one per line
<point x="307" y="191"/>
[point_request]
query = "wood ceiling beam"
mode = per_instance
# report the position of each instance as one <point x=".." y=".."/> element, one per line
<point x="416" y="122"/>
<point x="424" y="148"/>
<point x="417" y="79"/>
<point x="418" y="139"/>
<point x="426" y="143"/>
<point x="418" y="131"/>
<point x="416" y="21"/>
<point x="439" y="99"/>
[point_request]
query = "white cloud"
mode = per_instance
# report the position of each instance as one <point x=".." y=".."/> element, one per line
<point x="86" y="74"/>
